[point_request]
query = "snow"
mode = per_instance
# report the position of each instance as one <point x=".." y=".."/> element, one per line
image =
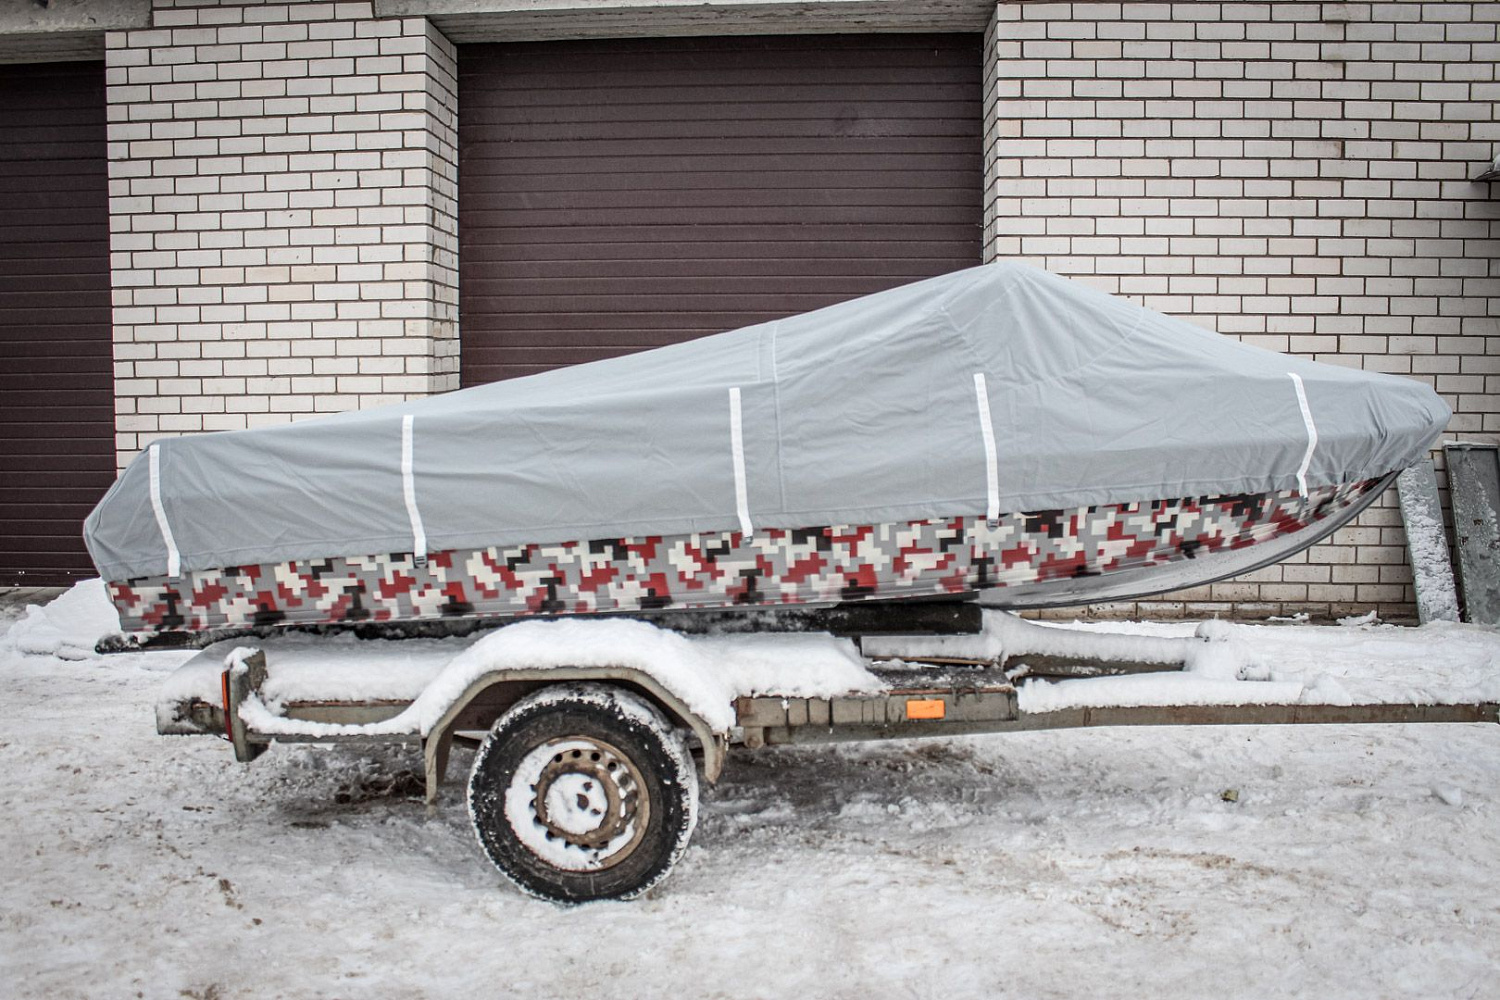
<point x="1356" y="862"/>
<point x="1359" y="662"/>
<point x="1005" y="634"/>
<point x="706" y="672"/>
<point x="66" y="628"/>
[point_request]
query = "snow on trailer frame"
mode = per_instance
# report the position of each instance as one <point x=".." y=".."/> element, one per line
<point x="585" y="783"/>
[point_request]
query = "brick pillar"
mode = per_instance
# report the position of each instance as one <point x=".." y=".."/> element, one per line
<point x="283" y="218"/>
<point x="1293" y="174"/>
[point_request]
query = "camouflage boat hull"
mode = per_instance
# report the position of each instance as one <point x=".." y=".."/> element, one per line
<point x="1025" y="560"/>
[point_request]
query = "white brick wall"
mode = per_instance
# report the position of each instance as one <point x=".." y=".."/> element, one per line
<point x="283" y="185"/>
<point x="283" y="218"/>
<point x="1294" y="174"/>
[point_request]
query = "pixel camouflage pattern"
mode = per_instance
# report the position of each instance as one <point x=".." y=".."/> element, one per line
<point x="724" y="568"/>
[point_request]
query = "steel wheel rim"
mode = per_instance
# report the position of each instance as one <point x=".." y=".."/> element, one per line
<point x="578" y="804"/>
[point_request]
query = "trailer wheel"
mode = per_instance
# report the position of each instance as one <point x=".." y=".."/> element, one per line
<point x="583" y="792"/>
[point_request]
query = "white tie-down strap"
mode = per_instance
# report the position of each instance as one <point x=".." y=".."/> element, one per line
<point x="409" y="489"/>
<point x="174" y="561"/>
<point x="1312" y="432"/>
<point x="737" y="447"/>
<point x="991" y="462"/>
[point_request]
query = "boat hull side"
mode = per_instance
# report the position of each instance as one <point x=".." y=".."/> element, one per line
<point x="1027" y="559"/>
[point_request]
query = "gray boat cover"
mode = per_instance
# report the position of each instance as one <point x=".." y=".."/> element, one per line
<point x="994" y="389"/>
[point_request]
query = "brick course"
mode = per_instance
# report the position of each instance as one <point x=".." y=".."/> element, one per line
<point x="1293" y="174"/>
<point x="283" y="213"/>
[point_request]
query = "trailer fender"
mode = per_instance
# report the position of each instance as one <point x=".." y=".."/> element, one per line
<point x="491" y="693"/>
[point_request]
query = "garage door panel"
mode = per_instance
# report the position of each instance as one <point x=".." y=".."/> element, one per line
<point x="685" y="294"/>
<point x="736" y="62"/>
<point x="44" y="467"/>
<point x="887" y="256"/>
<point x="600" y="154"/>
<point x="37" y="320"/>
<point x="685" y="82"/>
<point x="621" y="195"/>
<point x="59" y="299"/>
<point x="886" y="89"/>
<point x="617" y="326"/>
<point x="533" y="276"/>
<point x="60" y="210"/>
<point x="54" y="150"/>
<point x="752" y="203"/>
<point x="728" y="132"/>
<point x="801" y="213"/>
<point x="729" y="177"/>
<point x="650" y="234"/>
<point x="56" y="385"/>
<point x="725" y="117"/>
<point x="27" y="254"/>
<point x="65" y="486"/>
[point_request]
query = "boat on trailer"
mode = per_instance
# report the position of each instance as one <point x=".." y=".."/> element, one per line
<point x="862" y="470"/>
<point x="999" y="431"/>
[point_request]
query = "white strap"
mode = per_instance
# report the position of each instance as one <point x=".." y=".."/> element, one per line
<point x="1312" y="432"/>
<point x="409" y="488"/>
<point x="737" y="447"/>
<point x="174" y="561"/>
<point x="991" y="463"/>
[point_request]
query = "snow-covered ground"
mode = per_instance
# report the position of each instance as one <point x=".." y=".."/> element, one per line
<point x="1351" y="861"/>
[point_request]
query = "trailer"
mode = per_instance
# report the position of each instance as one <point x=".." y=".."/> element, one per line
<point x="592" y="735"/>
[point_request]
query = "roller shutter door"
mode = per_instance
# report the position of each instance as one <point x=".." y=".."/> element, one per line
<point x="57" y="444"/>
<point x="622" y="195"/>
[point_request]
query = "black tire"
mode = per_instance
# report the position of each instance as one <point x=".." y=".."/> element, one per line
<point x="574" y="755"/>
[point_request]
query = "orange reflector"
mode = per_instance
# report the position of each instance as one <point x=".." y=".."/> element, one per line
<point x="925" y="708"/>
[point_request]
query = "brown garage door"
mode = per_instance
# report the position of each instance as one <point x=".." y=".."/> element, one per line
<point x="621" y="195"/>
<point x="56" y="390"/>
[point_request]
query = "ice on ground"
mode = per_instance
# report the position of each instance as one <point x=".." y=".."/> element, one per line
<point x="1451" y="794"/>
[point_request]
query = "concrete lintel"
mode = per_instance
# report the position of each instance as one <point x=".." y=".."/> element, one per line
<point x="64" y="30"/>
<point x="544" y="20"/>
<point x="52" y="46"/>
<point x="42" y="17"/>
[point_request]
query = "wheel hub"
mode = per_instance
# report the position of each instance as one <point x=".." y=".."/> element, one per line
<point x="578" y="803"/>
<point x="581" y="802"/>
